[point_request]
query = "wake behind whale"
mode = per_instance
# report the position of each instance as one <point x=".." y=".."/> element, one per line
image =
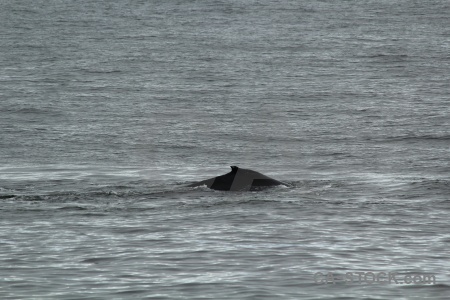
<point x="239" y="180"/>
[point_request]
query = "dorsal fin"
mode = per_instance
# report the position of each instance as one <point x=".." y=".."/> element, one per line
<point x="234" y="169"/>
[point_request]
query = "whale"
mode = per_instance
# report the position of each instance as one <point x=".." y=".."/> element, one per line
<point x="239" y="179"/>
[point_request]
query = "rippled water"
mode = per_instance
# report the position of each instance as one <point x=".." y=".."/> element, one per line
<point x="109" y="109"/>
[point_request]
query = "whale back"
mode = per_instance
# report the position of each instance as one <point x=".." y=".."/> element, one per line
<point x="239" y="180"/>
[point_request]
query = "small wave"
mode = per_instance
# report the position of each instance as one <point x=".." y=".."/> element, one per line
<point x="101" y="71"/>
<point x="385" y="57"/>
<point x="96" y="260"/>
<point x="73" y="208"/>
<point x="100" y="194"/>
<point x="413" y="138"/>
<point x="32" y="111"/>
<point x="432" y="185"/>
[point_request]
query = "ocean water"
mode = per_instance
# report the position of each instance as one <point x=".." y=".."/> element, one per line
<point x="108" y="109"/>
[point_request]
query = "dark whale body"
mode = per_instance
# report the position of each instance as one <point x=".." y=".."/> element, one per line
<point x="239" y="180"/>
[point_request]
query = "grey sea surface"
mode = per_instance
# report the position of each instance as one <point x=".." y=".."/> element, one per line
<point x="109" y="109"/>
